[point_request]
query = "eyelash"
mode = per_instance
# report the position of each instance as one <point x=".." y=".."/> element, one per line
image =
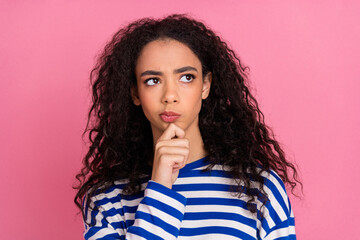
<point x="157" y="79"/>
<point x="147" y="80"/>
<point x="192" y="76"/>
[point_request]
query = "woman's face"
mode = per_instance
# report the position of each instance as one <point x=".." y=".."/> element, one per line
<point x="170" y="82"/>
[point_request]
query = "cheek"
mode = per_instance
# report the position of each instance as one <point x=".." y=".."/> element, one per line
<point x="147" y="103"/>
<point x="194" y="101"/>
<point x="145" y="95"/>
<point x="197" y="107"/>
<point x="147" y="112"/>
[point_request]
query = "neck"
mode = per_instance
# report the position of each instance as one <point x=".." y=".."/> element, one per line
<point x="197" y="148"/>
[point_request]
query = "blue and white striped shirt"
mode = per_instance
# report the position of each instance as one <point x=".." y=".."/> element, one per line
<point x="199" y="206"/>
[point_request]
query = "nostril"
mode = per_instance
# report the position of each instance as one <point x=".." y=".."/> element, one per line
<point x="167" y="101"/>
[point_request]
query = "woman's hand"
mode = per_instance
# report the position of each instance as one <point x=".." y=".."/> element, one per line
<point x="171" y="154"/>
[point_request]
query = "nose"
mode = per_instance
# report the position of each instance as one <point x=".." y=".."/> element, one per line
<point x="170" y="94"/>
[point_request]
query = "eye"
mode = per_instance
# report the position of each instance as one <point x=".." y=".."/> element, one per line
<point x="187" y="78"/>
<point x="151" y="81"/>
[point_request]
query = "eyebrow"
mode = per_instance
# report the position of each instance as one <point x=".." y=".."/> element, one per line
<point x="179" y="70"/>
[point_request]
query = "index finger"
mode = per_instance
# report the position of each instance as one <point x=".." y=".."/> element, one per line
<point x="172" y="131"/>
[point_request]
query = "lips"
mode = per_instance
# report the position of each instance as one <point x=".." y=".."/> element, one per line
<point x="169" y="116"/>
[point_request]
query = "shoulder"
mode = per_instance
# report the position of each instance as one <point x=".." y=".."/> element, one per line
<point x="275" y="189"/>
<point x="107" y="209"/>
<point x="110" y="196"/>
<point x="278" y="217"/>
<point x="276" y="194"/>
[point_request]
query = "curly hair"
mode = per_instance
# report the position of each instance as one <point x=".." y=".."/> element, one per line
<point x="121" y="143"/>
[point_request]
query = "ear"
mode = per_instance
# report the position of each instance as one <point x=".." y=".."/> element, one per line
<point x="135" y="96"/>
<point x="206" y="85"/>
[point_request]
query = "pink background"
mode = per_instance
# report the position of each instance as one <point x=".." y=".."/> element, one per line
<point x="304" y="61"/>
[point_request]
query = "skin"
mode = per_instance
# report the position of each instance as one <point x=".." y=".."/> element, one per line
<point x="169" y="78"/>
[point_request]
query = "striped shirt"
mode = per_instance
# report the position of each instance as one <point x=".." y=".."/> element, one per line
<point x="200" y="205"/>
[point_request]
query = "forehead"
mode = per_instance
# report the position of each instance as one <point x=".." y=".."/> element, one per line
<point x="166" y="53"/>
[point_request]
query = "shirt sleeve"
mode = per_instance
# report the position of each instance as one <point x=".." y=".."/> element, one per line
<point x="284" y="230"/>
<point x="278" y="222"/>
<point x="158" y="216"/>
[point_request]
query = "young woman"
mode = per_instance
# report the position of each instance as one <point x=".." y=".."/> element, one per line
<point x="179" y="148"/>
